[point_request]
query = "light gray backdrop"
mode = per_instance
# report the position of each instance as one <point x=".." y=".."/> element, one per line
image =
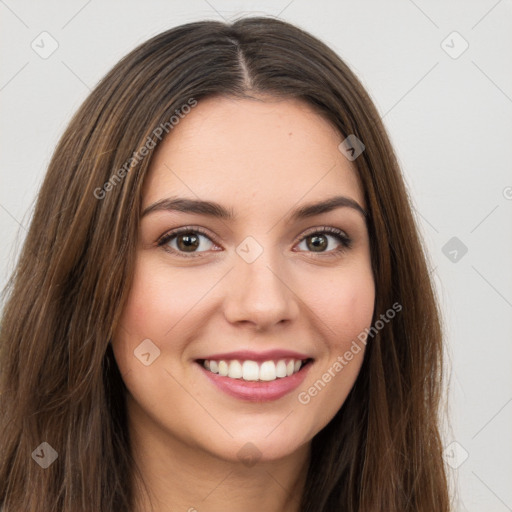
<point x="440" y="73"/>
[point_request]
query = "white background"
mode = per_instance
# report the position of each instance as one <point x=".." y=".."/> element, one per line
<point x="450" y="120"/>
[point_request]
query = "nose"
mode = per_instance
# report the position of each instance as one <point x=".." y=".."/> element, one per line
<point x="260" y="293"/>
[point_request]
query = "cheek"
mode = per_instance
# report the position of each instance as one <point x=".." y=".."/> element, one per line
<point x="150" y="311"/>
<point x="159" y="299"/>
<point x="161" y="306"/>
<point x="345" y="304"/>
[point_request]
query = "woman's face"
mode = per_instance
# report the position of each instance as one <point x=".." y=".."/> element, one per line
<point x="261" y="292"/>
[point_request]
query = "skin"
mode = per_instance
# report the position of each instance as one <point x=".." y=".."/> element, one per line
<point x="261" y="158"/>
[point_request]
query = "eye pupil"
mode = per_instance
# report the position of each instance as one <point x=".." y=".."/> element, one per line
<point x="317" y="242"/>
<point x="187" y="241"/>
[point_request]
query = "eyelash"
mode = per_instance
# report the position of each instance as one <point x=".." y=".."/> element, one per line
<point x="345" y="241"/>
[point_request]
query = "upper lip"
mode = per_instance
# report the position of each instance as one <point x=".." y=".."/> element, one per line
<point x="249" y="355"/>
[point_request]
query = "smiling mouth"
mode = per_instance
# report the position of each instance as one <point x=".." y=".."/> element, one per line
<point x="253" y="371"/>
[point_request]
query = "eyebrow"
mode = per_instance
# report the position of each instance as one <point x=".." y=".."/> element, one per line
<point x="212" y="209"/>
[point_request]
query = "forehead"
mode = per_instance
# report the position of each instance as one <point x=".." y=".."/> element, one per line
<point x="248" y="153"/>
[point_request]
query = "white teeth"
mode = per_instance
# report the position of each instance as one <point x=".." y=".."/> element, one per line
<point x="281" y="368"/>
<point x="268" y="371"/>
<point x="223" y="368"/>
<point x="235" y="370"/>
<point x="252" y="371"/>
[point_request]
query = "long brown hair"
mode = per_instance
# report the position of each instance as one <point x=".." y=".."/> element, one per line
<point x="59" y="381"/>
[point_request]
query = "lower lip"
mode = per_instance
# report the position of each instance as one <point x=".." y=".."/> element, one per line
<point x="258" y="391"/>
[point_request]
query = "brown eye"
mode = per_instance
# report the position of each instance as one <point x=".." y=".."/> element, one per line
<point x="325" y="240"/>
<point x="186" y="242"/>
<point x="317" y="243"/>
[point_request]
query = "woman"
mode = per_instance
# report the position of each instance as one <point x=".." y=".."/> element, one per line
<point x="223" y="302"/>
